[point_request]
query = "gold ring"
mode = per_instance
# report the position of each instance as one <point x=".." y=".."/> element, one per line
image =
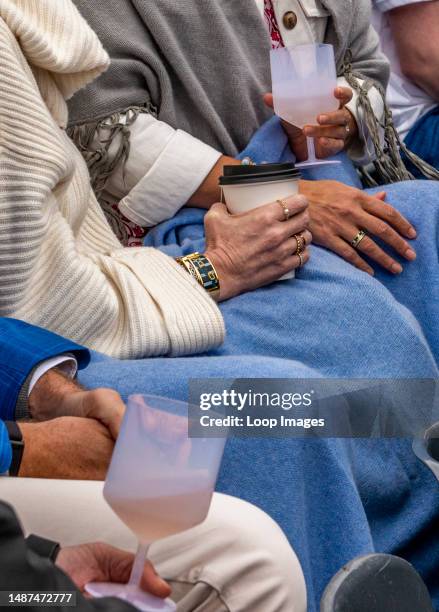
<point x="301" y="243"/>
<point x="348" y="129"/>
<point x="358" y="238"/>
<point x="300" y="256"/>
<point x="285" y="209"/>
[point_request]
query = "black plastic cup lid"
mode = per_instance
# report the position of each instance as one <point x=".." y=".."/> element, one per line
<point x="262" y="173"/>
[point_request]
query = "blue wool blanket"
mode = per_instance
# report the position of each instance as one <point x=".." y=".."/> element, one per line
<point x="334" y="499"/>
<point x="412" y="297"/>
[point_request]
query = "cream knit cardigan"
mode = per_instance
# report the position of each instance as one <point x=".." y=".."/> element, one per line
<point x="61" y="267"/>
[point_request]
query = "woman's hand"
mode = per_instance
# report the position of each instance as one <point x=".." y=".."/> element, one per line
<point x="256" y="248"/>
<point x="339" y="212"/>
<point x="334" y="133"/>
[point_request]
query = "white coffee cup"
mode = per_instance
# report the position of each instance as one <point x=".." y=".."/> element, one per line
<point x="247" y="187"/>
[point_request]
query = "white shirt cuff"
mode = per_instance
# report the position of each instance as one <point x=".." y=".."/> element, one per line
<point x="66" y="363"/>
<point x="362" y="151"/>
<point x="177" y="173"/>
<point x="387" y="5"/>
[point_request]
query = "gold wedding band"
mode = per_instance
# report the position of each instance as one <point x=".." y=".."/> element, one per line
<point x="358" y="238"/>
<point x="300" y="256"/>
<point x="285" y="208"/>
<point x="301" y="243"/>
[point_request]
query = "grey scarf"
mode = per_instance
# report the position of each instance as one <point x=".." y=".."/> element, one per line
<point x="194" y="62"/>
<point x="199" y="66"/>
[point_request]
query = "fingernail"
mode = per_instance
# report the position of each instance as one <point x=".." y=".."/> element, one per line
<point x="323" y="119"/>
<point x="308" y="131"/>
<point x="410" y="254"/>
<point x="396" y="268"/>
<point x="412" y="233"/>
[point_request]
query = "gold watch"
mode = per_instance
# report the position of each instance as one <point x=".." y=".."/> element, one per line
<point x="202" y="269"/>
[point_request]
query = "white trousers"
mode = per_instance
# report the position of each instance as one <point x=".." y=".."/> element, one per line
<point x="238" y="560"/>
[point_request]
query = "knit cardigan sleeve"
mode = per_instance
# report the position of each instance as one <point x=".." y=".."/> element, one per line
<point x="61" y="267"/>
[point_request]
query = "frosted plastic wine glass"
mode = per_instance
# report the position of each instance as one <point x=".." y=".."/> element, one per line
<point x="160" y="483"/>
<point x="304" y="79"/>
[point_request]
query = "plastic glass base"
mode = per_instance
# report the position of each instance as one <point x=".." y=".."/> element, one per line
<point x="135" y="596"/>
<point x="312" y="160"/>
<point x="317" y="162"/>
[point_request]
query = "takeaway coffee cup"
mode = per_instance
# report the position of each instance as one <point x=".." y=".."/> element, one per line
<point x="247" y="187"/>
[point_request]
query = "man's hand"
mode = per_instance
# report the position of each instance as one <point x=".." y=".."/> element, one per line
<point x="104" y="405"/>
<point x="334" y="133"/>
<point x="103" y="563"/>
<point x="339" y="212"/>
<point x="55" y="395"/>
<point x="67" y="448"/>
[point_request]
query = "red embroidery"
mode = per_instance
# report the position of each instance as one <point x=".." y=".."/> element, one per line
<point x="273" y="27"/>
<point x="129" y="234"/>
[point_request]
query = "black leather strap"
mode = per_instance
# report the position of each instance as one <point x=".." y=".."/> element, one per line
<point x="17" y="444"/>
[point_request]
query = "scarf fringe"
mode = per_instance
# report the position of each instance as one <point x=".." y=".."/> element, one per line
<point x="389" y="165"/>
<point x="94" y="140"/>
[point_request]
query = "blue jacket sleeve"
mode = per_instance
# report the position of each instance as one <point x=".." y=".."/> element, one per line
<point x="5" y="449"/>
<point x="22" y="347"/>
